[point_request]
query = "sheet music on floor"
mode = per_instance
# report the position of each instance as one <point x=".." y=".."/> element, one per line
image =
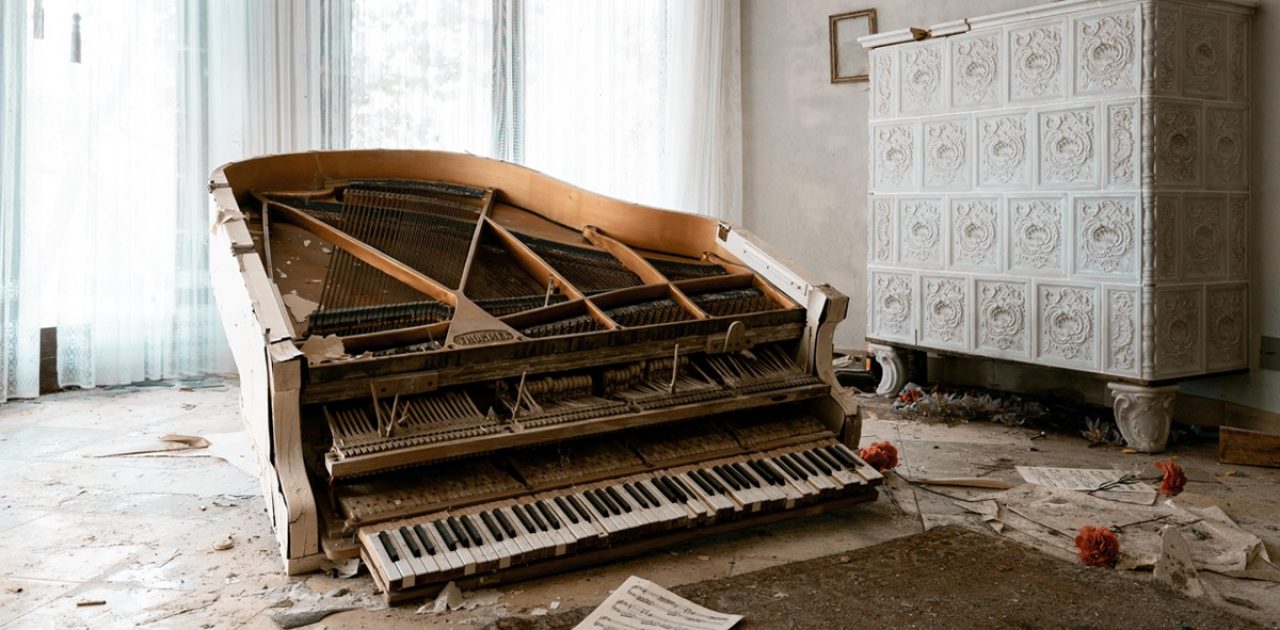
<point x="642" y="605"/>
<point x="1085" y="479"/>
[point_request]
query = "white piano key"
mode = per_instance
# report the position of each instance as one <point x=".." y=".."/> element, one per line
<point x="409" y="566"/>
<point x="383" y="560"/>
<point x="447" y="560"/>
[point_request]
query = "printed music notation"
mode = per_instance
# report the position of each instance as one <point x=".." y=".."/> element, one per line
<point x="642" y="605"/>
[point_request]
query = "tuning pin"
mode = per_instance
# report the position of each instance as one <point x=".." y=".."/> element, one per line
<point x="75" y="38"/>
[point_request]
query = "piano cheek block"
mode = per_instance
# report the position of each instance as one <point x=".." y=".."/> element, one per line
<point x="498" y="375"/>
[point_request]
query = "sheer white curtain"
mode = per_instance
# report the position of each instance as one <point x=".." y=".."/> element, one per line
<point x="112" y="193"/>
<point x="420" y="75"/>
<point x="19" y="326"/>
<point x="638" y="100"/>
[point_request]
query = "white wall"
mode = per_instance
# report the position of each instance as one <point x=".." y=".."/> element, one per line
<point x="805" y="157"/>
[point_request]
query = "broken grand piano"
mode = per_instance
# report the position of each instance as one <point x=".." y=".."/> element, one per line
<point x="531" y="377"/>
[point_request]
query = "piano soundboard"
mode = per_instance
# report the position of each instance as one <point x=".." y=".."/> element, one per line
<point x="459" y="369"/>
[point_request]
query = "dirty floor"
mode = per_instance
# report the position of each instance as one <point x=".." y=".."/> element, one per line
<point x="96" y="537"/>
<point x="945" y="578"/>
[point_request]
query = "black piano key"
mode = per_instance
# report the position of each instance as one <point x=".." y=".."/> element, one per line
<point x="577" y="506"/>
<point x="568" y="511"/>
<point x="595" y="503"/>
<point x="617" y="498"/>
<point x="826" y="457"/>
<point x="711" y="480"/>
<point x="662" y="488"/>
<point x="773" y="470"/>
<point x="535" y="517"/>
<point x="458" y="532"/>
<point x="524" y="519"/>
<point x="682" y="487"/>
<point x="841" y="455"/>
<point x="425" y="540"/>
<point x="505" y="523"/>
<point x="799" y="461"/>
<point x="736" y="476"/>
<point x="761" y="472"/>
<point x="491" y="525"/>
<point x="631" y="490"/>
<point x="546" y="513"/>
<point x="469" y="526"/>
<point x="732" y="480"/>
<point x="675" y="490"/>
<point x="385" y="539"/>
<point x="608" y="502"/>
<point x="449" y="540"/>
<point x="745" y="474"/>
<point x="786" y="467"/>
<point x="410" y="542"/>
<point x="813" y="459"/>
<point x="706" y="489"/>
<point x="648" y="495"/>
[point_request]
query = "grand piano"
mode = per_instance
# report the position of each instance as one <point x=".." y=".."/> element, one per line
<point x="456" y="368"/>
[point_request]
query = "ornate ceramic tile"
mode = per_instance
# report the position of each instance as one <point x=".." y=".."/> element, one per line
<point x="1226" y="141"/>
<point x="1226" y="326"/>
<point x="948" y="150"/>
<point x="1037" y="62"/>
<point x="975" y="234"/>
<point x="1067" y="324"/>
<point x="1121" y="339"/>
<point x="1203" y="250"/>
<point x="1068" y="148"/>
<point x="977" y="80"/>
<point x="1107" y="237"/>
<point x="1003" y="313"/>
<point x="1107" y="55"/>
<point x="1037" y="235"/>
<point x="944" y="307"/>
<point x="1178" y="336"/>
<point x="1004" y="151"/>
<point x="1204" y="54"/>
<point x="892" y="306"/>
<point x="923" y="78"/>
<point x="921" y="239"/>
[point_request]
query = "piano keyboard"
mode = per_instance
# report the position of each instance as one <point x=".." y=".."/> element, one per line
<point x="491" y="537"/>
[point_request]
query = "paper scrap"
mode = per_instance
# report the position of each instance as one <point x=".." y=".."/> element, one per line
<point x="639" y="603"/>
<point x="1085" y="479"/>
<point x="300" y="307"/>
<point x="320" y="349"/>
<point x="1175" y="568"/>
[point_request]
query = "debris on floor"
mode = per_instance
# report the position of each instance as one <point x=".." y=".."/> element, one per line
<point x="938" y="405"/>
<point x="639" y="603"/>
<point x="1105" y="484"/>
<point x="451" y="598"/>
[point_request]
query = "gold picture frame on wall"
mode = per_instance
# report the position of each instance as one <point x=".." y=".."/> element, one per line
<point x="849" y="60"/>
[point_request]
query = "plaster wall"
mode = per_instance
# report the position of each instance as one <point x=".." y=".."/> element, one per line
<point x="805" y="159"/>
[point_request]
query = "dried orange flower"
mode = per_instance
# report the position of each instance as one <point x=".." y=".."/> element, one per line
<point x="880" y="455"/>
<point x="909" y="396"/>
<point x="1174" y="479"/>
<point x="1098" y="546"/>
